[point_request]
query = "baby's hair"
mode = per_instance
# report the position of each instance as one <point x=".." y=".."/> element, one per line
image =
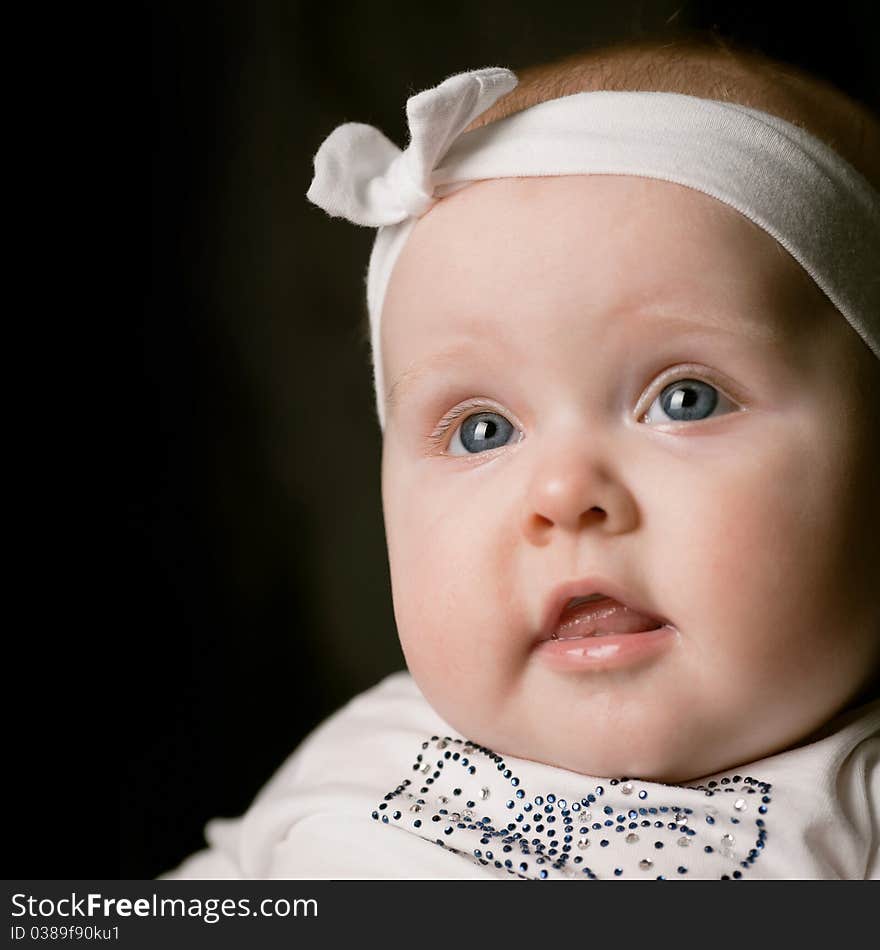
<point x="705" y="64"/>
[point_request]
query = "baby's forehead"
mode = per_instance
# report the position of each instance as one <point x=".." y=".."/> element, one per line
<point x="612" y="242"/>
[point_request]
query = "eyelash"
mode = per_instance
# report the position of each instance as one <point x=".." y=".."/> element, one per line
<point x="437" y="439"/>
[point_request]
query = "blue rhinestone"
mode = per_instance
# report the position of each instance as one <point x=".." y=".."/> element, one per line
<point x="562" y="803"/>
<point x="618" y="872"/>
<point x="524" y="866"/>
<point x="737" y="874"/>
<point x="660" y="877"/>
<point x="510" y="804"/>
<point x="658" y="844"/>
<point x="527" y="806"/>
<point x="396" y="815"/>
<point x="543" y="874"/>
<point x="604" y="842"/>
<point x="600" y="790"/>
<point x="632" y="813"/>
<point x="710" y="820"/>
<point x="643" y="794"/>
<point x="376" y="815"/>
<point x="575" y="806"/>
<point x="708" y="849"/>
<point x="608" y="810"/>
<point x="417" y="823"/>
<point x="682" y="869"/>
<point x="520" y="793"/>
<point x="590" y="798"/>
<point x="548" y="809"/>
<point x="507" y="773"/>
<point x="385" y="819"/>
<point x="514" y="782"/>
<point x="539" y="800"/>
<point x="762" y="809"/>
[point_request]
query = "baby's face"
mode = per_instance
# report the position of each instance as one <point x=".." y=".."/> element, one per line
<point x="741" y="508"/>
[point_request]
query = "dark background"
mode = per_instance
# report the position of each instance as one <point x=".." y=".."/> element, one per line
<point x="256" y="597"/>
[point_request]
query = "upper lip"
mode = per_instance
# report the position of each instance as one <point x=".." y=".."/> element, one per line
<point x="583" y="587"/>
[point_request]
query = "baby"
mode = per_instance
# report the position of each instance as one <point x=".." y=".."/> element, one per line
<point x="629" y="403"/>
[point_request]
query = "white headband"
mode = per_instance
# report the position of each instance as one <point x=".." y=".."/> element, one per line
<point x="799" y="190"/>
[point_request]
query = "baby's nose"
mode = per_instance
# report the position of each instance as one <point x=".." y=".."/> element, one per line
<point x="574" y="493"/>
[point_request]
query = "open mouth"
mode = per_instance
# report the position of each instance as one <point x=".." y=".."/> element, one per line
<point x="600" y="615"/>
<point x="599" y="633"/>
<point x="602" y="618"/>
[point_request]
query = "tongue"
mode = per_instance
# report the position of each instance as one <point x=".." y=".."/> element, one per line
<point x="603" y="617"/>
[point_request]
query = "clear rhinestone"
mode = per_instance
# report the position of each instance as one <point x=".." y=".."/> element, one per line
<point x="484" y="792"/>
<point x="583" y="843"/>
<point x="645" y="864"/>
<point x="585" y="816"/>
<point x="712" y="812"/>
<point x="740" y="804"/>
<point x="727" y="840"/>
<point x="680" y="816"/>
<point x="467" y="815"/>
<point x="632" y="838"/>
<point x="415" y="807"/>
<point x="425" y="769"/>
<point x="443" y="800"/>
<point x="626" y="788"/>
<point x="442" y="744"/>
<point x="684" y="842"/>
<point x="455" y="816"/>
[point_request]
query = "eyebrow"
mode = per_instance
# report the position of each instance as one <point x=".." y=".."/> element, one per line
<point x="417" y="371"/>
<point x="761" y="333"/>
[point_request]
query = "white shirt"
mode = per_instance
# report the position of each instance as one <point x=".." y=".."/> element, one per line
<point x="374" y="788"/>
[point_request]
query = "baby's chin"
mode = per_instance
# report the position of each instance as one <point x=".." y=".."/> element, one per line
<point x="674" y="752"/>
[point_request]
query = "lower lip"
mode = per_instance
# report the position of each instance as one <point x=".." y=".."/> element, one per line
<point x="611" y="652"/>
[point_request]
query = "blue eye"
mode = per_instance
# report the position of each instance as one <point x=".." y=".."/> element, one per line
<point x="685" y="400"/>
<point x="483" y="431"/>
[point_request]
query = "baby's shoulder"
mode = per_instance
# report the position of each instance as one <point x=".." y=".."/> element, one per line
<point x="362" y="738"/>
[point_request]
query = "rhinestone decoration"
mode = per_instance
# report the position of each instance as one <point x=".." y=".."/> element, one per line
<point x="542" y="837"/>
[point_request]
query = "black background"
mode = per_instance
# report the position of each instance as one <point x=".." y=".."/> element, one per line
<point x="254" y="592"/>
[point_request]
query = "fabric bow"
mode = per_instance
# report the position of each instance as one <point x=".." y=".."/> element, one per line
<point x="363" y="176"/>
